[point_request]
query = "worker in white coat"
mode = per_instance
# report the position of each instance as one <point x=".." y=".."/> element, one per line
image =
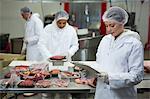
<point x="120" y="55"/>
<point x="60" y="38"/>
<point x="33" y="30"/>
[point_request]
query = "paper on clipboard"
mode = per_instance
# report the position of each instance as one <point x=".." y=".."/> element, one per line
<point x="91" y="64"/>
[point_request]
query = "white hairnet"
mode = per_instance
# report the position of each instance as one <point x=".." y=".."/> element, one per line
<point x="116" y="14"/>
<point x="61" y="15"/>
<point x="25" y="10"/>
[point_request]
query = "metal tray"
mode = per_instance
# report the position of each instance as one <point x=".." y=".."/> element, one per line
<point x="72" y="88"/>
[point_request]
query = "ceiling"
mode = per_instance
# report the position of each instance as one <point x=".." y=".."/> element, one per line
<point x="74" y="1"/>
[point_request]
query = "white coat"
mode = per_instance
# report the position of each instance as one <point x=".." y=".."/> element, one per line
<point x="58" y="41"/>
<point x="122" y="59"/>
<point x="33" y="30"/>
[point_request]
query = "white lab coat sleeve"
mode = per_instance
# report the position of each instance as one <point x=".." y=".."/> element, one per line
<point x="136" y="70"/>
<point x="98" y="53"/>
<point x="99" y="50"/>
<point x="38" y="29"/>
<point x="24" y="46"/>
<point x="74" y="44"/>
<point x="42" y="46"/>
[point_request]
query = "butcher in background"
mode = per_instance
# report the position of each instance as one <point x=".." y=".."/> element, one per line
<point x="59" y="39"/>
<point x="33" y="30"/>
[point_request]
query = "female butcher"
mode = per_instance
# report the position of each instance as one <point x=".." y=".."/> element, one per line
<point x="120" y="55"/>
<point x="60" y="38"/>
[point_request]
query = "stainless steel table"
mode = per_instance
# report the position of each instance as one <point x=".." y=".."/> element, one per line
<point x="73" y="87"/>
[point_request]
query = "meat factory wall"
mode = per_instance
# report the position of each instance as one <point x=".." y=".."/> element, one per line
<point x="11" y="21"/>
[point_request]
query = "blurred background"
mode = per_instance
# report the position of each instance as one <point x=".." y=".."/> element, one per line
<point x="85" y="15"/>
